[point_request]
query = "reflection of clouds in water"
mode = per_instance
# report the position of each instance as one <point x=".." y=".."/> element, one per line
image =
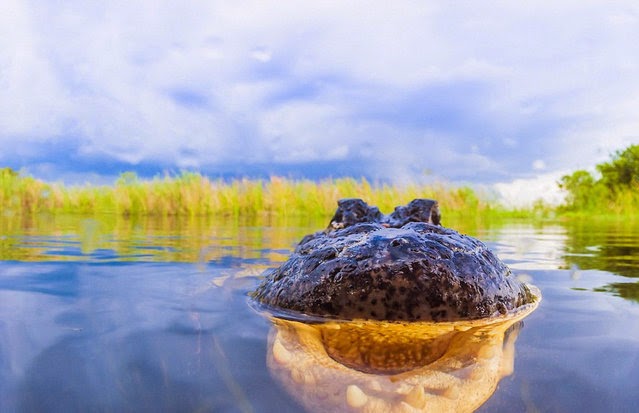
<point x="116" y="337"/>
<point x="30" y="306"/>
<point x="34" y="293"/>
<point x="551" y="247"/>
<point x="524" y="247"/>
<point x="40" y="303"/>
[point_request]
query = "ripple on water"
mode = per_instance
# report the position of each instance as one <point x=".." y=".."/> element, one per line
<point x="148" y="319"/>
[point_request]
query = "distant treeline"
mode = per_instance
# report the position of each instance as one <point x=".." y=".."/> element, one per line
<point x="192" y="194"/>
<point x="613" y="191"/>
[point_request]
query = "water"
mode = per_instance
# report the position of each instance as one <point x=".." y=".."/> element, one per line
<point x="117" y="315"/>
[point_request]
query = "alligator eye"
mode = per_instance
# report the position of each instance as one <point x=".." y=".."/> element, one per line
<point x="398" y="242"/>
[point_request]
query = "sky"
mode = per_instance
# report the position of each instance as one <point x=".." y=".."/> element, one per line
<point x="507" y="96"/>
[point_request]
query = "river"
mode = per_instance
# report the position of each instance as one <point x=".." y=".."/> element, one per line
<point x="106" y="314"/>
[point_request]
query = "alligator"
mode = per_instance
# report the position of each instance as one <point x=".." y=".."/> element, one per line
<point x="404" y="266"/>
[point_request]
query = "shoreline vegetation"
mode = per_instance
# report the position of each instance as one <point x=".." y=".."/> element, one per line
<point x="193" y="194"/>
<point x="612" y="192"/>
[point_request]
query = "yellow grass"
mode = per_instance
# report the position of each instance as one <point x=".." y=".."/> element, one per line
<point x="192" y="194"/>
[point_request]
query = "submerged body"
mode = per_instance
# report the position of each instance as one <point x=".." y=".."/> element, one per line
<point x="400" y="267"/>
<point x="380" y="366"/>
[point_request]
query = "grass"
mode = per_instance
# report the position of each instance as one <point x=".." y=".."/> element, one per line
<point x="192" y="194"/>
<point x="622" y="204"/>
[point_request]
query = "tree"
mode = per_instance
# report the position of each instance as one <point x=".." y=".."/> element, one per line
<point x="616" y="190"/>
<point x="622" y="172"/>
<point x="580" y="186"/>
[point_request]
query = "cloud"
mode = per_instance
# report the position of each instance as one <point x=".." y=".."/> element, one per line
<point x="471" y="93"/>
<point x="524" y="192"/>
<point x="539" y="165"/>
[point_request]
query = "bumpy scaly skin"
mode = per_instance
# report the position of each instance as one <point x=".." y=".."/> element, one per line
<point x="366" y="265"/>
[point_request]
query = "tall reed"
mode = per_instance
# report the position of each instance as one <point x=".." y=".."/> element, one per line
<point x="192" y="194"/>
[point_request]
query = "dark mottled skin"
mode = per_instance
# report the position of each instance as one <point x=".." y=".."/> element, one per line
<point x="403" y="266"/>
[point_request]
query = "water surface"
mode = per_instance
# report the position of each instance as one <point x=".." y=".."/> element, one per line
<point x="152" y="315"/>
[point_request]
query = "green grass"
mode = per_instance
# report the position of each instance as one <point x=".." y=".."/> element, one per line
<point x="623" y="203"/>
<point x="192" y="194"/>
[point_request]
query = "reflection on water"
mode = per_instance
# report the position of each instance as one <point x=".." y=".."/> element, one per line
<point x="144" y="337"/>
<point x="393" y="367"/>
<point x="164" y="239"/>
<point x="609" y="246"/>
<point x="627" y="290"/>
<point x="107" y="314"/>
<point x="527" y="247"/>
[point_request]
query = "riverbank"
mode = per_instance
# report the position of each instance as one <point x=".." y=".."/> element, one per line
<point x="192" y="194"/>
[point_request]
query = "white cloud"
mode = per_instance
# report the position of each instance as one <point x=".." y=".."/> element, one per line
<point x="261" y="54"/>
<point x="539" y="165"/>
<point x="524" y="192"/>
<point x="499" y="88"/>
<point x="33" y="104"/>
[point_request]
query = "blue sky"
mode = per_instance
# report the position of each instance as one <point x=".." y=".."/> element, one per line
<point x="507" y="95"/>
